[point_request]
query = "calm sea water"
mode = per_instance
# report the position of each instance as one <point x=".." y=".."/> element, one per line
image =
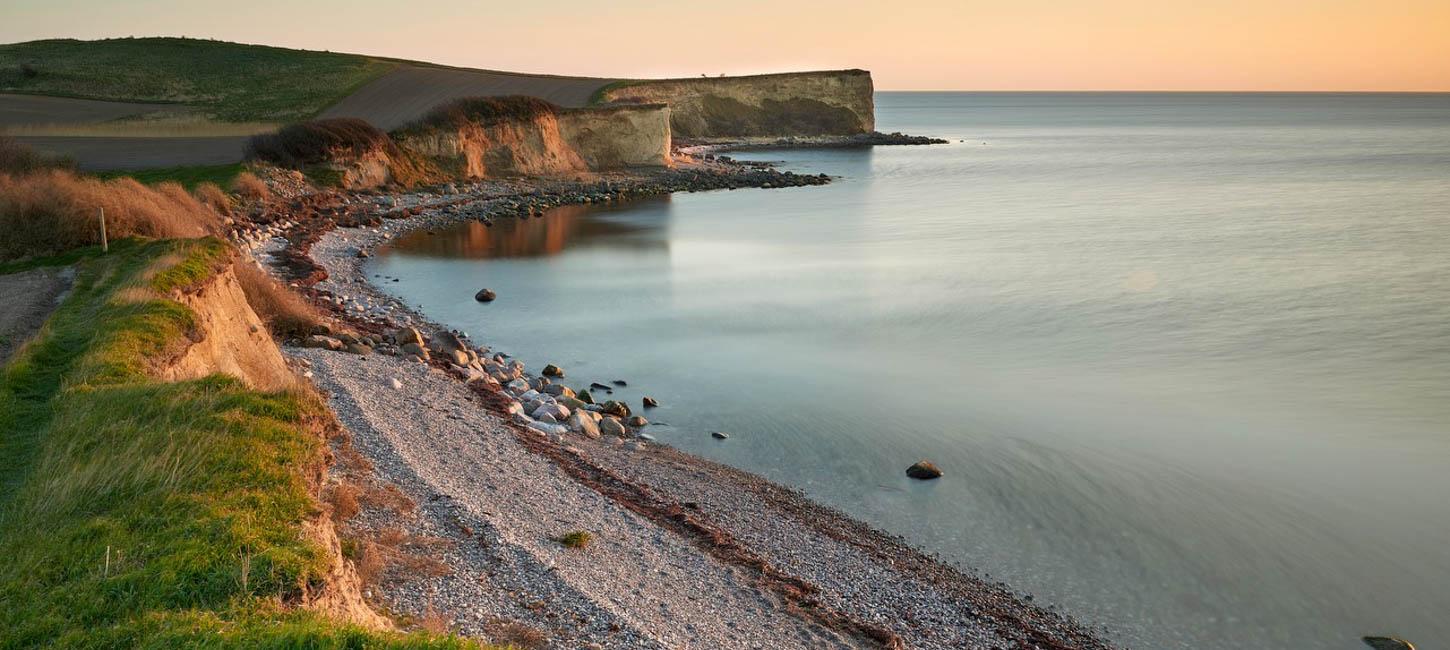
<point x="1185" y="358"/>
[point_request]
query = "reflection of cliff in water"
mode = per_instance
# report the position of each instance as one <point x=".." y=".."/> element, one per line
<point x="561" y="227"/>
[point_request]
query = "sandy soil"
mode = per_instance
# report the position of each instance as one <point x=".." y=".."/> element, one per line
<point x="26" y="300"/>
<point x="410" y="91"/>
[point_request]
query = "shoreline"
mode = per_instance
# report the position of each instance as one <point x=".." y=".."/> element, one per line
<point x="837" y="577"/>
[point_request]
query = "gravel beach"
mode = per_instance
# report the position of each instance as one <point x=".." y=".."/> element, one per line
<point x="685" y="553"/>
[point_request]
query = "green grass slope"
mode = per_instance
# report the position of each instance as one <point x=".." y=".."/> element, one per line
<point x="143" y="514"/>
<point x="228" y="82"/>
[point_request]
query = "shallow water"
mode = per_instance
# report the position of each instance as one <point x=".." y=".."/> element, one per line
<point x="1185" y="358"/>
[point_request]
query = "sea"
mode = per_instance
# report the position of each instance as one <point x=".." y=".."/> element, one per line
<point x="1184" y="358"/>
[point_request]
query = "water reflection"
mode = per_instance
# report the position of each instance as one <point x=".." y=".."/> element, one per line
<point x="634" y="225"/>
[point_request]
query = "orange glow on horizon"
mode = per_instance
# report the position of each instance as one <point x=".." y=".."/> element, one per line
<point x="1268" y="45"/>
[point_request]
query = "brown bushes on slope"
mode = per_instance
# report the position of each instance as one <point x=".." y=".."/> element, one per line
<point x="52" y="211"/>
<point x="306" y="143"/>
<point x="251" y="188"/>
<point x="285" y="312"/>
<point x="213" y="197"/>
<point x="482" y="111"/>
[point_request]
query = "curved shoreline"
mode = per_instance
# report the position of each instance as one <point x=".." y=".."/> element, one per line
<point x="819" y="565"/>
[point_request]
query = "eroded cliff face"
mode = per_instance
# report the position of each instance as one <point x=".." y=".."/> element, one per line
<point x="229" y="339"/>
<point x="615" y="137"/>
<point x="793" y="104"/>
<point x="566" y="143"/>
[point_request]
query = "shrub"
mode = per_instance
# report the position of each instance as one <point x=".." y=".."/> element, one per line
<point x="482" y="111"/>
<point x="16" y="158"/>
<point x="52" y="211"/>
<point x="285" y="312"/>
<point x="298" y="145"/>
<point x="213" y="197"/>
<point x="576" y="539"/>
<point x="249" y="187"/>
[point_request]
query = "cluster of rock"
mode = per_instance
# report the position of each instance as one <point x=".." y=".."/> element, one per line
<point x="555" y="409"/>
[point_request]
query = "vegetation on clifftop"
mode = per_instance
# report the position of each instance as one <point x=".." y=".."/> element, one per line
<point x="229" y="82"/>
<point x="136" y="513"/>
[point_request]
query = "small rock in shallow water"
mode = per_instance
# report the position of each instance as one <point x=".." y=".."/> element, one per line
<point x="552" y="370"/>
<point x="719" y="435"/>
<point x="638" y="421"/>
<point x="923" y="470"/>
<point x="485" y="295"/>
<point x="620" y="382"/>
<point x="649" y="402"/>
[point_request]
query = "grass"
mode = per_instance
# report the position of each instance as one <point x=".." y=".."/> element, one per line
<point x="228" y="82"/>
<point x="187" y="177"/>
<point x="481" y="111"/>
<point x="142" y="514"/>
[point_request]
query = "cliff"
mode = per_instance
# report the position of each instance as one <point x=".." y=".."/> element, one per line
<point x="791" y="104"/>
<point x="548" y="143"/>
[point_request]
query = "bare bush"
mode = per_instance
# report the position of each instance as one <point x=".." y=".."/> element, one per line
<point x="213" y="197"/>
<point x="483" y="111"/>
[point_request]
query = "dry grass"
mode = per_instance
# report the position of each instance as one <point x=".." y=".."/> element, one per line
<point x="213" y="197"/>
<point x="285" y="312"/>
<point x="249" y="187"/>
<point x="394" y="555"/>
<point x="389" y="497"/>
<point x="51" y="211"/>
<point x="435" y="622"/>
<point x="343" y="498"/>
<point x="515" y="635"/>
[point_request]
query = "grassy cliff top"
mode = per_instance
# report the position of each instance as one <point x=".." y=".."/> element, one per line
<point x="229" y="82"/>
<point x="137" y="513"/>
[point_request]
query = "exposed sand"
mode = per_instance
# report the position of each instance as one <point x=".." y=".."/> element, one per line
<point x="408" y="92"/>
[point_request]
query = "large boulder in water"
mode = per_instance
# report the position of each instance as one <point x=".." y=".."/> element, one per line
<point x="485" y="295"/>
<point x="923" y="471"/>
<point x="552" y="370"/>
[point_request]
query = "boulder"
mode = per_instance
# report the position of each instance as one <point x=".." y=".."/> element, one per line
<point x="610" y="426"/>
<point x="573" y="404"/>
<point x="552" y="370"/>
<point x="485" y="295"/>
<point x="407" y="335"/>
<point x="559" y="390"/>
<point x="583" y="425"/>
<point x="924" y="471"/>
<point x="559" y="411"/>
<point x="649" y="402"/>
<point x="416" y="350"/>
<point x="322" y="343"/>
<point x="585" y="396"/>
<point x="638" y="421"/>
<point x="719" y="435"/>
<point x="619" y="409"/>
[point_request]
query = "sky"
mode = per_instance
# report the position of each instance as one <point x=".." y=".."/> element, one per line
<point x="1280" y="45"/>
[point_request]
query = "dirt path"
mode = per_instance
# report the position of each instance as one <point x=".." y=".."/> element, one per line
<point x="26" y="300"/>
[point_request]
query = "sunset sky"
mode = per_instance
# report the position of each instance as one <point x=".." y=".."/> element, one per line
<point x="907" y="44"/>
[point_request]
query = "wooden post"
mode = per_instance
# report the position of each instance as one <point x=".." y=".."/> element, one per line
<point x="105" y="246"/>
